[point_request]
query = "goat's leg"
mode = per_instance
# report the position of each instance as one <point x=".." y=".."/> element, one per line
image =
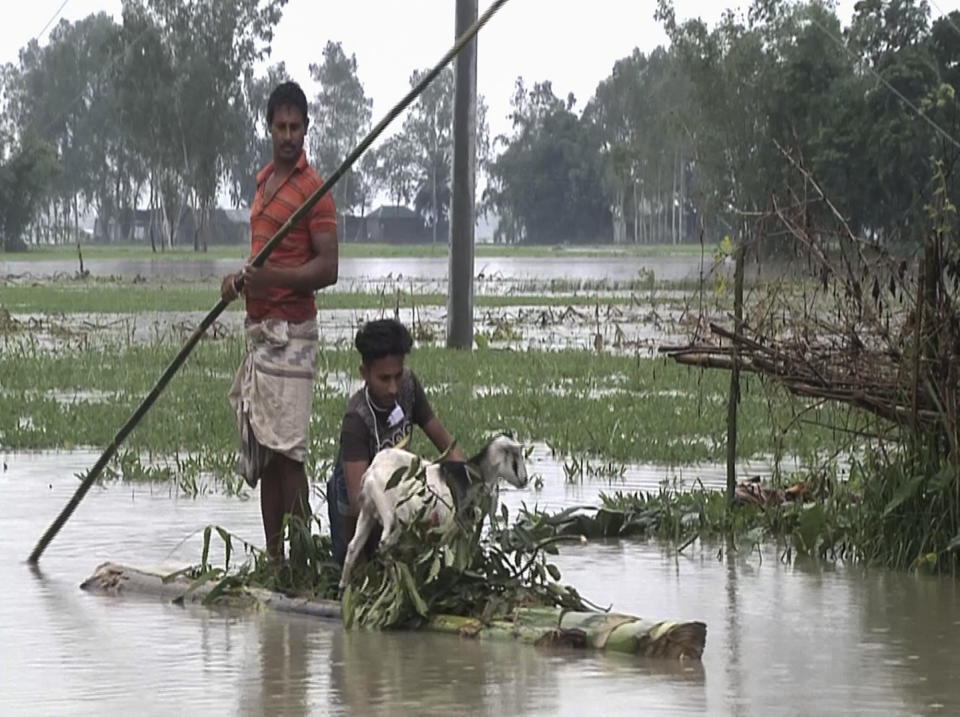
<point x="365" y="525"/>
<point x="385" y="509"/>
<point x="493" y="500"/>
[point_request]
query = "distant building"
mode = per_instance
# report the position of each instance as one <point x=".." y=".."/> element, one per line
<point x="351" y="228"/>
<point x="393" y="224"/>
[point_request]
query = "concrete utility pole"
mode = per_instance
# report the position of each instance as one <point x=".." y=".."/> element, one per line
<point x="462" y="219"/>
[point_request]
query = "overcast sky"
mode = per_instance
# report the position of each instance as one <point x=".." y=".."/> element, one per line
<point x="573" y="44"/>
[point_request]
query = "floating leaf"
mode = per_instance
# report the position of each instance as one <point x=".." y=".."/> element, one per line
<point x="346" y="607"/>
<point x="434" y="569"/>
<point x="411" y="587"/>
<point x="202" y="579"/>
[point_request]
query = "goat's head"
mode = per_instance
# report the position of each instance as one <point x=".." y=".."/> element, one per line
<point x="505" y="459"/>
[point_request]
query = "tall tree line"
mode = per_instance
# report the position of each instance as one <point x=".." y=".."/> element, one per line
<point x="162" y="111"/>
<point x="151" y="112"/>
<point x="701" y="136"/>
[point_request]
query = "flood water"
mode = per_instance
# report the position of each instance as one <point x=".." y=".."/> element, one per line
<point x="363" y="269"/>
<point x="636" y="333"/>
<point x="799" y="639"/>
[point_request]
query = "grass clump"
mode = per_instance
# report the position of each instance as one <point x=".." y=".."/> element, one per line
<point x="883" y="514"/>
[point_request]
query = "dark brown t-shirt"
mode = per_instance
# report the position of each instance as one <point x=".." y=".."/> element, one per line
<point x="365" y="432"/>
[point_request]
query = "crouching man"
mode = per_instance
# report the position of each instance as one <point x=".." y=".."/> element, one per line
<point x="380" y="415"/>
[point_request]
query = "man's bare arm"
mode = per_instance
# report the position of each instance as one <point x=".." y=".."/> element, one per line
<point x="353" y="474"/>
<point x="321" y="271"/>
<point x="442" y="440"/>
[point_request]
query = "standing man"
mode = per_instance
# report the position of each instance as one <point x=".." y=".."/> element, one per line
<point x="380" y="415"/>
<point x="273" y="389"/>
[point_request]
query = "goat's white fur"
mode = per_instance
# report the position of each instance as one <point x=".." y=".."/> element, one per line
<point x="402" y="504"/>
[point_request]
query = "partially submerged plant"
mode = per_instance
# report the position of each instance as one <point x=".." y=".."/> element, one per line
<point x="310" y="570"/>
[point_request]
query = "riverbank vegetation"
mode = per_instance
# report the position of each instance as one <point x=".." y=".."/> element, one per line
<point x="597" y="411"/>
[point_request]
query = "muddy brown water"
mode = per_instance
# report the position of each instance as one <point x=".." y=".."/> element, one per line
<point x="798" y="639"/>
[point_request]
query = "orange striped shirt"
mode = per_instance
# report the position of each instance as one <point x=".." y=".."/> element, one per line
<point x="266" y="218"/>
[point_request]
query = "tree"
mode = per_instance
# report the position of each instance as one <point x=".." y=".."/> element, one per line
<point x="63" y="95"/>
<point x="160" y="102"/>
<point x="642" y="113"/>
<point x="862" y="109"/>
<point x="369" y="181"/>
<point x="199" y="51"/>
<point x="394" y="168"/>
<point x="26" y="178"/>
<point x="546" y="184"/>
<point x="341" y="118"/>
<point x="428" y="131"/>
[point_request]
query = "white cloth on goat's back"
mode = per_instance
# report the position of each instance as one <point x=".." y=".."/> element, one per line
<point x="272" y="392"/>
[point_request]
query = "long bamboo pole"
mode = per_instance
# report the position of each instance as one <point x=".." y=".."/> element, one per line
<point x="258" y="260"/>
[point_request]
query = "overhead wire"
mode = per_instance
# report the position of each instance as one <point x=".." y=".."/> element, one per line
<point x="937" y="128"/>
<point x="946" y="16"/>
<point x="52" y="18"/>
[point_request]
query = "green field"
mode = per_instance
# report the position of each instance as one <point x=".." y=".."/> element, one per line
<point x="119" y="297"/>
<point x="616" y="407"/>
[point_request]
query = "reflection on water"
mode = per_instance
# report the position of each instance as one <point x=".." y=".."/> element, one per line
<point x="797" y="639"/>
<point x="378" y="269"/>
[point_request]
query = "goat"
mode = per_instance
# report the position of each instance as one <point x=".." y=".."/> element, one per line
<point x="502" y="457"/>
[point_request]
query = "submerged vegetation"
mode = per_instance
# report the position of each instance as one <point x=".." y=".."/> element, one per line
<point x="621" y="408"/>
<point x="69" y="382"/>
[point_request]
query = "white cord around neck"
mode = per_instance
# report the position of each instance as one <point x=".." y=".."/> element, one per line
<point x="373" y="415"/>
